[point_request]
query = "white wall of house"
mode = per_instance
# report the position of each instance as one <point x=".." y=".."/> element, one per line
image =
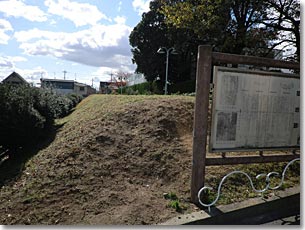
<point x="63" y="91"/>
<point x="80" y="89"/>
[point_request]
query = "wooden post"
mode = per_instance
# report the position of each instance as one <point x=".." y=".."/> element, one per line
<point x="200" y="127"/>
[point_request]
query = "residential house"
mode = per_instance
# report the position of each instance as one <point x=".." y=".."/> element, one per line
<point x="14" y="78"/>
<point x="111" y="87"/>
<point x="83" y="89"/>
<point x="67" y="86"/>
<point x="115" y="86"/>
<point x="104" y="87"/>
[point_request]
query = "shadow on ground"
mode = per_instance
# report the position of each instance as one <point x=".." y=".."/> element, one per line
<point x="12" y="162"/>
<point x="284" y="211"/>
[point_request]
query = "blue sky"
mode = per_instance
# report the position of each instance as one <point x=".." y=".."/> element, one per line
<point x="88" y="39"/>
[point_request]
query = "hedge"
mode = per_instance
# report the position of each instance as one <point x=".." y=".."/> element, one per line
<point x="154" y="87"/>
<point x="27" y="113"/>
<point x="157" y="87"/>
<point x="183" y="87"/>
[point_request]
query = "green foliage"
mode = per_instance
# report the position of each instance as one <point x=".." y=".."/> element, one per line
<point x="75" y="98"/>
<point x="183" y="87"/>
<point x="27" y="113"/>
<point x="156" y="87"/>
<point x="174" y="201"/>
<point x="170" y="196"/>
<point x="230" y="26"/>
<point x="176" y="205"/>
<point x="206" y="17"/>
<point x="149" y="35"/>
<point x="146" y="88"/>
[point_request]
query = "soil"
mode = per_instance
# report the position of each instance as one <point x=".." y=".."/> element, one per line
<point x="109" y="170"/>
<point x="112" y="162"/>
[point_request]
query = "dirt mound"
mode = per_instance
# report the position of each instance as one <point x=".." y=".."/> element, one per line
<point x="110" y="163"/>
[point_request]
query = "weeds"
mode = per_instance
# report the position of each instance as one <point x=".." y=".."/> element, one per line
<point x="174" y="202"/>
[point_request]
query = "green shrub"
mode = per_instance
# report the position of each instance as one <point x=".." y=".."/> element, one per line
<point x="27" y="113"/>
<point x="183" y="87"/>
<point x="20" y="122"/>
<point x="146" y="88"/>
<point x="75" y="98"/>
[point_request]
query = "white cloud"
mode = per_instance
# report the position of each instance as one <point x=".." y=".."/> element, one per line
<point x="30" y="75"/>
<point x="104" y="73"/>
<point x="79" y="13"/>
<point x="33" y="75"/>
<point x="8" y="62"/>
<point x="15" y="8"/>
<point x="120" y="19"/>
<point x="97" y="46"/>
<point x="120" y="6"/>
<point x="4" y="27"/>
<point x="17" y="58"/>
<point x="8" y="65"/>
<point x="5" y="63"/>
<point x="140" y="6"/>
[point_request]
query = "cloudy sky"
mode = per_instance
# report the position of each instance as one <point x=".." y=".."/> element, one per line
<point x="87" y="39"/>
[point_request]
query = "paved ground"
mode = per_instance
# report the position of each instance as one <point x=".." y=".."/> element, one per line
<point x="283" y="208"/>
<point x="291" y="220"/>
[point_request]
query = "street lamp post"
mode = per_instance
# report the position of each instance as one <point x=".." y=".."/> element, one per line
<point x="168" y="51"/>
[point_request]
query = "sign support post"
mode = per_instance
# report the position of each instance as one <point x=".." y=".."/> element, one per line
<point x="200" y="126"/>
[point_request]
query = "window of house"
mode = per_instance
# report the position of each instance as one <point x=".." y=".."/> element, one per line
<point x="81" y="88"/>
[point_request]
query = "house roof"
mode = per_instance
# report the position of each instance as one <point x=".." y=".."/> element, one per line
<point x="80" y="84"/>
<point x="14" y="75"/>
<point x="55" y="80"/>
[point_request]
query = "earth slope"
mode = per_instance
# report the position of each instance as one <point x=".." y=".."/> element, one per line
<point x="110" y="163"/>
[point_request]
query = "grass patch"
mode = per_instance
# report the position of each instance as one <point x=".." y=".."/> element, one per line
<point x="237" y="187"/>
<point x="174" y="202"/>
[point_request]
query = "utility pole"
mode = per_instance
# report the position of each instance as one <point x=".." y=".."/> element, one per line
<point x="111" y="74"/>
<point x="64" y="74"/>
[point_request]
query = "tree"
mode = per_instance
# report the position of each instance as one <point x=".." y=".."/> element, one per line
<point x="121" y="79"/>
<point x="150" y="34"/>
<point x="284" y="16"/>
<point x="204" y="18"/>
<point x="232" y="26"/>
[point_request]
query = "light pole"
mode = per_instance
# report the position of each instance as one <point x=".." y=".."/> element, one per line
<point x="168" y="51"/>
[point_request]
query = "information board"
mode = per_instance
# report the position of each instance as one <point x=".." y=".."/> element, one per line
<point x="254" y="110"/>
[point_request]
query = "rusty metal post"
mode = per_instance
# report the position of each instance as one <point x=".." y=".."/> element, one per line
<point x="200" y="126"/>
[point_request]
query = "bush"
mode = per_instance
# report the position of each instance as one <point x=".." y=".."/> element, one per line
<point x="157" y="87"/>
<point x="27" y="113"/>
<point x="75" y="98"/>
<point x="183" y="87"/>
<point x="146" y="88"/>
<point x="19" y="120"/>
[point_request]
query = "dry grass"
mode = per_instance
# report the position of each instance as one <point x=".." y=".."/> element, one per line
<point x="111" y="162"/>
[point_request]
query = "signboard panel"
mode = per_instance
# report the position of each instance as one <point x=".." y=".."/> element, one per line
<point x="254" y="110"/>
